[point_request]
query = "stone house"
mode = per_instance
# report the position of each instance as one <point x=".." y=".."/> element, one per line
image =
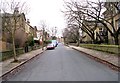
<point x="112" y="14"/>
<point x="8" y="22"/>
<point x="100" y="33"/>
<point x="30" y="31"/>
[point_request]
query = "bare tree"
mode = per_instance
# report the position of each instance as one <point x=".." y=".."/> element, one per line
<point x="71" y="34"/>
<point x="53" y="32"/>
<point x="82" y="21"/>
<point x="94" y="10"/>
<point x="65" y="35"/>
<point x="43" y="26"/>
<point x="12" y="21"/>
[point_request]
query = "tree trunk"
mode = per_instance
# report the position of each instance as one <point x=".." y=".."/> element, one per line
<point x="94" y="41"/>
<point x="42" y="44"/>
<point x="78" y="43"/>
<point x="78" y="38"/>
<point x="14" y="50"/>
<point x="43" y="41"/>
<point x="93" y="38"/>
<point x="116" y="40"/>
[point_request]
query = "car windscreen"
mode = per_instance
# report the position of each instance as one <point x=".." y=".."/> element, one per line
<point x="50" y="44"/>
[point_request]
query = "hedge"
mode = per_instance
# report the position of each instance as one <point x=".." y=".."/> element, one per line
<point x="8" y="54"/>
<point x="115" y="49"/>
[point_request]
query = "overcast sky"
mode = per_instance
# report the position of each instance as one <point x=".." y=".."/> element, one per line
<point x="48" y="11"/>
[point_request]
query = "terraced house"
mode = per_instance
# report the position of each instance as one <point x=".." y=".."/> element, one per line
<point x="30" y="31"/>
<point x="8" y="22"/>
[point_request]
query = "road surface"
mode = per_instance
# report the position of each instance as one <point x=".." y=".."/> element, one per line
<point x="64" y="64"/>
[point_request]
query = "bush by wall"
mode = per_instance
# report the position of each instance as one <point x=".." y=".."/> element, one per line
<point x="105" y="48"/>
<point x="8" y="54"/>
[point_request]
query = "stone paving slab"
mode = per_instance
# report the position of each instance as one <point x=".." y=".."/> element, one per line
<point x="111" y="58"/>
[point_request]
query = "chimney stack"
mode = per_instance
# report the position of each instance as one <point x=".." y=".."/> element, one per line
<point x="28" y="21"/>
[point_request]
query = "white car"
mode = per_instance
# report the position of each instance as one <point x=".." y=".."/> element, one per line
<point x="50" y="46"/>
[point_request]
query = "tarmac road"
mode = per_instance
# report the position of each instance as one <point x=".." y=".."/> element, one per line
<point x="64" y="64"/>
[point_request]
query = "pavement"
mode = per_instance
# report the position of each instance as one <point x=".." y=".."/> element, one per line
<point x="112" y="60"/>
<point x="6" y="67"/>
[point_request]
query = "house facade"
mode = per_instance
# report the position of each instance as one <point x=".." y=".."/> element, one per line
<point x="112" y="14"/>
<point x="1" y="32"/>
<point x="96" y="30"/>
<point x="31" y="32"/>
<point x="9" y="22"/>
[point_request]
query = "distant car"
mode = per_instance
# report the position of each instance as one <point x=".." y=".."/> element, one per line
<point x="55" y="43"/>
<point x="50" y="46"/>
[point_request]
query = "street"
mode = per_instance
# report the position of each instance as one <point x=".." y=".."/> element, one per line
<point x="64" y="64"/>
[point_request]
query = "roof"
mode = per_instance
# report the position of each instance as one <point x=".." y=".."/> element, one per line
<point x="12" y="15"/>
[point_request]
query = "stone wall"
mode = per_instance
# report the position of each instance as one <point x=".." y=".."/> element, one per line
<point x="2" y="46"/>
<point x="5" y="46"/>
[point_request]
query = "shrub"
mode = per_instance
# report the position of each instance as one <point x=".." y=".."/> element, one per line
<point x="8" y="54"/>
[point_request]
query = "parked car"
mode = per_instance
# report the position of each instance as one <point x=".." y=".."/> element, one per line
<point x="57" y="42"/>
<point x="50" y="46"/>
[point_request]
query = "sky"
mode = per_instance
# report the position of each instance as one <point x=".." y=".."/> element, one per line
<point x="48" y="11"/>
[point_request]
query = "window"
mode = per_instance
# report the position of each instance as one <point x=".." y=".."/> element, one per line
<point x="100" y="29"/>
<point x="100" y="33"/>
<point x="117" y="24"/>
